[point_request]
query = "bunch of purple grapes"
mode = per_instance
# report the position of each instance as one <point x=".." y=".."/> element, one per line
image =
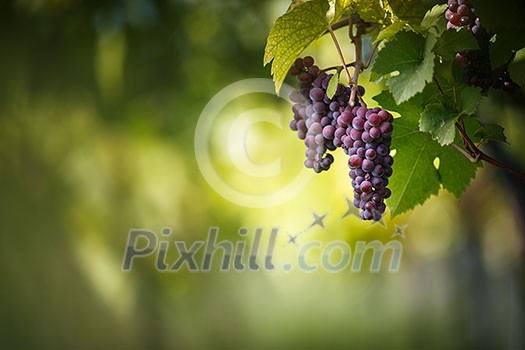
<point x="315" y="114"/>
<point x="461" y="13"/>
<point x="477" y="70"/>
<point x="365" y="135"/>
<point x="326" y="123"/>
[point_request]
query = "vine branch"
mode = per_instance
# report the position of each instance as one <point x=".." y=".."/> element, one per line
<point x="474" y="154"/>
<point x="337" y="25"/>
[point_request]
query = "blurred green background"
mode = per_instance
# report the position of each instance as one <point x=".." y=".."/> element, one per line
<point x="99" y="101"/>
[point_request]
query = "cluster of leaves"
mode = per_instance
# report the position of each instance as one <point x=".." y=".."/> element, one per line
<point x="423" y="82"/>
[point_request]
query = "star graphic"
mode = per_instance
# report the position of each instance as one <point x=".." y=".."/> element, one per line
<point x="318" y="220"/>
<point x="352" y="210"/>
<point x="400" y="231"/>
<point x="292" y="239"/>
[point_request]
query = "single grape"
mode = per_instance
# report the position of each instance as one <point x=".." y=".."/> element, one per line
<point x="345" y="118"/>
<point x="465" y="20"/>
<point x="356" y="134"/>
<point x="316" y="94"/>
<point x="374" y="119"/>
<point x="388" y="160"/>
<point x="328" y="132"/>
<point x="354" y="161"/>
<point x="377" y="182"/>
<point x="308" y="61"/>
<point x="367" y="165"/>
<point x="305" y="77"/>
<point x="370" y="154"/>
<point x="462" y="10"/>
<point x="375" y="132"/>
<point x="319" y="107"/>
<point x="378" y="171"/>
<point x="382" y="150"/>
<point x="366" y="137"/>
<point x="366" y="186"/>
<point x="319" y="139"/>
<point x="358" y="123"/>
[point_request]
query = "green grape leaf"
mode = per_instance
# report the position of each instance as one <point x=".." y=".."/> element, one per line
<point x="468" y="100"/>
<point x="414" y="177"/>
<point x="439" y="117"/>
<point x="372" y="11"/>
<point x="411" y="11"/>
<point x="391" y="30"/>
<point x="332" y="86"/>
<point x="294" y="3"/>
<point x="369" y="11"/>
<point x="449" y="83"/>
<point x="491" y="132"/>
<point x="434" y="19"/>
<point x="481" y="133"/>
<point x="439" y="122"/>
<point x="291" y="34"/>
<point x="472" y="125"/>
<point x="452" y="41"/>
<point x="342" y="8"/>
<point x="410" y="55"/>
<point x="454" y="88"/>
<point x="456" y="99"/>
<point x="455" y="170"/>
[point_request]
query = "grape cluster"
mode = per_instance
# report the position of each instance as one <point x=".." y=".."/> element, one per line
<point x="315" y="114"/>
<point x="477" y="70"/>
<point x="461" y="13"/>
<point x="326" y="123"/>
<point x="365" y="135"/>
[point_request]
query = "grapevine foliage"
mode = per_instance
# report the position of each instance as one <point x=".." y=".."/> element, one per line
<point x="435" y="63"/>
<point x="410" y="54"/>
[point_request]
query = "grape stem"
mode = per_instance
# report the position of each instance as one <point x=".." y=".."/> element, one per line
<point x="356" y="40"/>
<point x="438" y="85"/>
<point x="374" y="49"/>
<point x="338" y="68"/>
<point x="340" y="53"/>
<point x="358" y="64"/>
